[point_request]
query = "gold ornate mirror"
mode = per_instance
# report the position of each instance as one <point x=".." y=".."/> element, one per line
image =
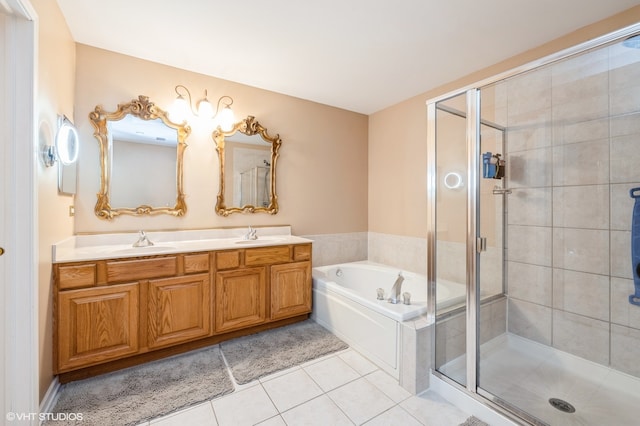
<point x="141" y="154"/>
<point x="248" y="158"/>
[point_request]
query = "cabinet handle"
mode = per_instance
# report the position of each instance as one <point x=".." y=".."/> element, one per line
<point x="1" y="251"/>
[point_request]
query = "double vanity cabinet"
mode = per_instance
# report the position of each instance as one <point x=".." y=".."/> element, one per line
<point x="115" y="312"/>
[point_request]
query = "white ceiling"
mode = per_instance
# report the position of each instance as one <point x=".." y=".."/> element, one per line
<point x="360" y="55"/>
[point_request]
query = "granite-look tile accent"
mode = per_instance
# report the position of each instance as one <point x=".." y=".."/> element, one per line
<point x="622" y="205"/>
<point x="581" y="293"/>
<point x="529" y="244"/>
<point x="585" y="163"/>
<point x="582" y="131"/>
<point x="531" y="283"/>
<point x="581" y="250"/>
<point x="450" y="339"/>
<point x="625" y="161"/>
<point x="623" y="312"/>
<point x="409" y="253"/>
<point x="530" y="168"/>
<point x="585" y="337"/>
<point x="625" y="347"/>
<point x="530" y="321"/>
<point x="624" y="125"/>
<point x="531" y="136"/>
<point x="529" y="92"/>
<point x="490" y="272"/>
<point x="621" y="254"/>
<point x="624" y="77"/>
<point x="581" y="206"/>
<point x="530" y="206"/>
<point x="493" y="319"/>
<point x="329" y="249"/>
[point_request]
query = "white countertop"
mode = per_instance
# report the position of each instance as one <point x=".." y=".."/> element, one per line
<point x="113" y="246"/>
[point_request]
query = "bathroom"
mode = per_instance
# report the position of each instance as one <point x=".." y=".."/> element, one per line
<point x="364" y="215"/>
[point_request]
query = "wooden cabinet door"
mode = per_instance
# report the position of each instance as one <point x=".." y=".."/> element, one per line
<point x="290" y="289"/>
<point x="241" y="296"/>
<point x="97" y="325"/>
<point x="178" y="310"/>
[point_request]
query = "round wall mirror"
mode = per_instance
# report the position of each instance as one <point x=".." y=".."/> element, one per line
<point x="67" y="142"/>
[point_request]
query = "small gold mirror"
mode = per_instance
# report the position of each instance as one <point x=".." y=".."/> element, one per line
<point x="141" y="154"/>
<point x="248" y="156"/>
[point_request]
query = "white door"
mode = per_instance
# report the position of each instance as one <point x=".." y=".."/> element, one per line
<point x="18" y="230"/>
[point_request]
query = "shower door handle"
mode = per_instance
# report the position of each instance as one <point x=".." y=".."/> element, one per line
<point x="481" y="244"/>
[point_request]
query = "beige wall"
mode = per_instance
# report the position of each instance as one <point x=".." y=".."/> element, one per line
<point x="56" y="77"/>
<point x="321" y="172"/>
<point x="397" y="141"/>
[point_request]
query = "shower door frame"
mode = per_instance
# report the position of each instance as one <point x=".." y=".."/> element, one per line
<point x="473" y="122"/>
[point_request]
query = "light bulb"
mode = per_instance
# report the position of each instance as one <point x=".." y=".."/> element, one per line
<point x="179" y="110"/>
<point x="226" y="119"/>
<point x="205" y="110"/>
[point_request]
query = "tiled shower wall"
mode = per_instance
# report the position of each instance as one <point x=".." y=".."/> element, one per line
<point x="574" y="152"/>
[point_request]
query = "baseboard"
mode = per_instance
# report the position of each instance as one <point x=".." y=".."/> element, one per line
<point x="51" y="397"/>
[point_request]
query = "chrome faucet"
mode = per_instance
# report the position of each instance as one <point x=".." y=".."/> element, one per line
<point x="396" y="289"/>
<point x="251" y="234"/>
<point x="143" y="240"/>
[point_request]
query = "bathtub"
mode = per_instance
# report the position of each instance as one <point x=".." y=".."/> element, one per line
<point x="345" y="302"/>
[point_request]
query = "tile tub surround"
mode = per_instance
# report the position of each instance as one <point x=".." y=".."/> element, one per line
<point x="398" y="251"/>
<point x="573" y="158"/>
<point x="331" y="249"/>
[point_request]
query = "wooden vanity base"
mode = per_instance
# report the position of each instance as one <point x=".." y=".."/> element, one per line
<point x="115" y="313"/>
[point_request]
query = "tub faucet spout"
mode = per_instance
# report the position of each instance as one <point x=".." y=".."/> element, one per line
<point x="396" y="289"/>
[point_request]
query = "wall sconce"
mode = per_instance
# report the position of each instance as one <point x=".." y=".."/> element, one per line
<point x="65" y="147"/>
<point x="182" y="108"/>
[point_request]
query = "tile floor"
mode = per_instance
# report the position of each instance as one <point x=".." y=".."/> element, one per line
<point x="339" y="389"/>
<point x="526" y="374"/>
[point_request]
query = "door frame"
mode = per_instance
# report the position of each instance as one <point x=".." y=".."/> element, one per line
<point x="19" y="392"/>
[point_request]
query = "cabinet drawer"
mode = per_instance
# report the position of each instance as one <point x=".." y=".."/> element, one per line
<point x="227" y="259"/>
<point x="266" y="255"/>
<point x="76" y="276"/>
<point x="139" y="269"/>
<point x="302" y="252"/>
<point x="194" y="263"/>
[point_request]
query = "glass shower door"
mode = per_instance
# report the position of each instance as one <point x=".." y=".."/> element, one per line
<point x="450" y="185"/>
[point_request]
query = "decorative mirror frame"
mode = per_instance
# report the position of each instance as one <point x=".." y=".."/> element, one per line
<point x="249" y="126"/>
<point x="145" y="110"/>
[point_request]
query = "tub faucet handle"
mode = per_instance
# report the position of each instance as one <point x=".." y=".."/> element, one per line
<point x="380" y="292"/>
<point x="406" y="298"/>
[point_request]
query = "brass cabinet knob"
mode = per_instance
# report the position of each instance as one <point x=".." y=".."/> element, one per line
<point x="1" y="251"/>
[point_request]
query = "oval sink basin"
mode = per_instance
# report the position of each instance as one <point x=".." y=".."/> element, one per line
<point x="145" y="250"/>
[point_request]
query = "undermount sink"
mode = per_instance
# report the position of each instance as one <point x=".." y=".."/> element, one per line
<point x="145" y="250"/>
<point x="260" y="240"/>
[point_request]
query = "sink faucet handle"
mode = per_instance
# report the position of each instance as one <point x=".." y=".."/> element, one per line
<point x="143" y="240"/>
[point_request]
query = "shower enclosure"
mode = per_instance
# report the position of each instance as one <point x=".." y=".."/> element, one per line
<point x="530" y="206"/>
